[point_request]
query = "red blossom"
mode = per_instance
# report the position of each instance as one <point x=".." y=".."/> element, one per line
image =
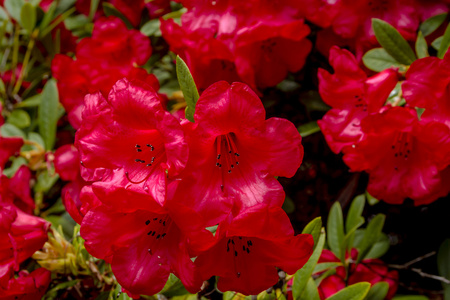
<point x="404" y="157"/>
<point x="352" y="96"/>
<point x="368" y="270"/>
<point x="235" y="153"/>
<point x="250" y="247"/>
<point x="16" y="190"/>
<point x="9" y="147"/>
<point x="133" y="132"/>
<point x="220" y="40"/>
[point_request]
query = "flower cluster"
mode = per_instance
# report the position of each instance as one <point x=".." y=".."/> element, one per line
<point x="21" y="233"/>
<point x="220" y="40"/>
<point x="168" y="181"/>
<point x="406" y="154"/>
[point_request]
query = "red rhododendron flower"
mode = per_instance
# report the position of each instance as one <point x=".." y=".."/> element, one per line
<point x="427" y="86"/>
<point x="153" y="243"/>
<point x="132" y="131"/>
<point x="27" y="286"/>
<point x="368" y="270"/>
<point x="67" y="162"/>
<point x="235" y="153"/>
<point x="220" y="40"/>
<point x="16" y="190"/>
<point x="111" y="54"/>
<point x="352" y="95"/>
<point x="403" y="156"/>
<point x="250" y="246"/>
<point x="21" y="234"/>
<point x="8" y="148"/>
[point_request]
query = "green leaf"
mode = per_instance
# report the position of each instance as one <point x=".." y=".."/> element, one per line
<point x="313" y="228"/>
<point x="335" y="231"/>
<point x="421" y="46"/>
<point x="16" y="164"/>
<point x="28" y="17"/>
<point x="10" y="130"/>
<point x="443" y="261"/>
<point x="431" y="24"/>
<point x="393" y="42"/>
<point x="48" y="113"/>
<point x="14" y="7"/>
<point x="378" y="59"/>
<point x="354" y="219"/>
<point x="308" y="128"/>
<point x="410" y="297"/>
<point x="19" y="118"/>
<point x="33" y="101"/>
<point x="173" y="287"/>
<point x="325" y="266"/>
<point x="436" y="44"/>
<point x="48" y="16"/>
<point x="45" y="181"/>
<point x="355" y="291"/>
<point x="3" y="14"/>
<point x="93" y="8"/>
<point x="378" y="291"/>
<point x="371" y="199"/>
<point x="302" y="276"/>
<point x="380" y="247"/>
<point x="445" y="43"/>
<point x="311" y="292"/>
<point x="188" y="88"/>
<point x="36" y="137"/>
<point x="288" y="205"/>
<point x="371" y="235"/>
<point x="151" y="28"/>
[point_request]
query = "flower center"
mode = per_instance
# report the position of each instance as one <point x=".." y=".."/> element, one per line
<point x="240" y="245"/>
<point x="227" y="154"/>
<point x="360" y="103"/>
<point x="159" y="226"/>
<point x="147" y="156"/>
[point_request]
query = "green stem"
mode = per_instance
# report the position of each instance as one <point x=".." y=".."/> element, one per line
<point x="25" y="61"/>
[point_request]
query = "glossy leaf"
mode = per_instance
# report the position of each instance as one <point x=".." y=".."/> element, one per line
<point x="151" y="28"/>
<point x="188" y="88"/>
<point x="357" y="291"/>
<point x="436" y="44"/>
<point x="326" y="266"/>
<point x="10" y="130"/>
<point x="393" y="42"/>
<point x="378" y="291"/>
<point x="431" y="24"/>
<point x="308" y="128"/>
<point x="354" y="219"/>
<point x="28" y="17"/>
<point x="421" y="46"/>
<point x="311" y="292"/>
<point x="371" y="199"/>
<point x="314" y="227"/>
<point x="304" y="274"/>
<point x="31" y="102"/>
<point x="378" y="59"/>
<point x="48" y="113"/>
<point x="380" y="247"/>
<point x="335" y="231"/>
<point x="371" y="235"/>
<point x="445" y="43"/>
<point x="48" y="17"/>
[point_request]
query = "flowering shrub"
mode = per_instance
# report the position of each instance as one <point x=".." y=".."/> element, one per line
<point x="170" y="149"/>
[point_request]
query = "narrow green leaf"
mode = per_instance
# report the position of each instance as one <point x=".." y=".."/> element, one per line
<point x="431" y="24"/>
<point x="28" y="17"/>
<point x="335" y="231"/>
<point x="48" y="113"/>
<point x="48" y="17"/>
<point x="445" y="43"/>
<point x="188" y="88"/>
<point x="393" y="42"/>
<point x="356" y="291"/>
<point x="302" y="276"/>
<point x="311" y="292"/>
<point x="325" y="266"/>
<point x="371" y="235"/>
<point x="33" y="101"/>
<point x="14" y="8"/>
<point x="93" y="8"/>
<point x="151" y="28"/>
<point x="378" y="291"/>
<point x="421" y="46"/>
<point x="308" y="128"/>
<point x="410" y="297"/>
<point x="313" y="228"/>
<point x="436" y="44"/>
<point x="380" y="247"/>
<point x="378" y="59"/>
<point x="2" y="87"/>
<point x="19" y="118"/>
<point x="354" y="217"/>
